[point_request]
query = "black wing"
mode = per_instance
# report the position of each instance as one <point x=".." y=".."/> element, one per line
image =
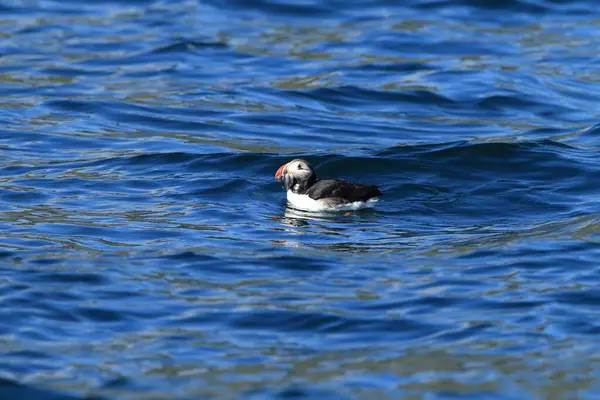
<point x="346" y="190"/>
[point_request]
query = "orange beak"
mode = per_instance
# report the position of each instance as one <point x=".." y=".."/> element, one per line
<point x="280" y="171"/>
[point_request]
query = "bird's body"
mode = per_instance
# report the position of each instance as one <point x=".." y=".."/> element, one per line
<point x="306" y="192"/>
<point x="306" y="203"/>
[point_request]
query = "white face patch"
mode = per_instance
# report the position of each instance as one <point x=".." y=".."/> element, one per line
<point x="300" y="170"/>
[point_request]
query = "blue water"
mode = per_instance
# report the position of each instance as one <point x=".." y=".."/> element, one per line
<point x="146" y="252"/>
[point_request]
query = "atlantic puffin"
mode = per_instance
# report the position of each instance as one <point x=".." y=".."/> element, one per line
<point x="308" y="193"/>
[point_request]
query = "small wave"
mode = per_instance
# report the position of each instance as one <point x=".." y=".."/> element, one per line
<point x="188" y="46"/>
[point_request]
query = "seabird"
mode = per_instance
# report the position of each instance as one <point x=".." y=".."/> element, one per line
<point x="308" y="193"/>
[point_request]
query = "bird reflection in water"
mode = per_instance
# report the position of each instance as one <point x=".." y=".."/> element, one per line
<point x="297" y="221"/>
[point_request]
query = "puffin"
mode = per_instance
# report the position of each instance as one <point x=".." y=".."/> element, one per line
<point x="308" y="193"/>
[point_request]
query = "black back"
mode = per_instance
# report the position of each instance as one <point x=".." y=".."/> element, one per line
<point x="341" y="188"/>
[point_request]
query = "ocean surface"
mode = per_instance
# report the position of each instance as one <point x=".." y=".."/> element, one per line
<point x="147" y="252"/>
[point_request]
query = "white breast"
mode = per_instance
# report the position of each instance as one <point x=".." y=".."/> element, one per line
<point x="304" y="202"/>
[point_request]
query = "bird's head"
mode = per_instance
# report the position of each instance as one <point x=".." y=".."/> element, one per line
<point x="296" y="175"/>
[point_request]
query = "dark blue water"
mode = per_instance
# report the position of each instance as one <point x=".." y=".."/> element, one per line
<point x="146" y="252"/>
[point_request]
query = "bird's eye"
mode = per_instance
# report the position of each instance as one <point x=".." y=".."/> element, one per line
<point x="299" y="166"/>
